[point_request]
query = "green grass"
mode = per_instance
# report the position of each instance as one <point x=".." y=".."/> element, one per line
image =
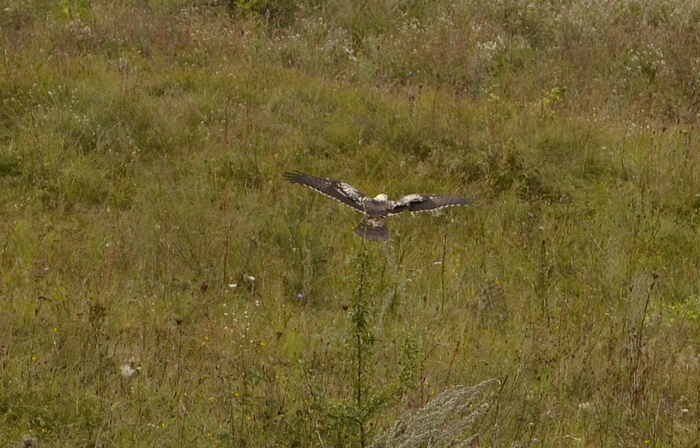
<point x="145" y="224"/>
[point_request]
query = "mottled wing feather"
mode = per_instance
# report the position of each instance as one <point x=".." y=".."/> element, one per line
<point x="423" y="202"/>
<point x="341" y="191"/>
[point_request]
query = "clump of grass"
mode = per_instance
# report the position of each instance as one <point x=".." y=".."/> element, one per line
<point x="9" y="166"/>
<point x="449" y="419"/>
<point x="278" y="13"/>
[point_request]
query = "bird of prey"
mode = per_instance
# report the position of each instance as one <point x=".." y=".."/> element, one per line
<point x="375" y="209"/>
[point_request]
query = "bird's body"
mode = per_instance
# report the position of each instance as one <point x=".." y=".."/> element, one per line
<point x="375" y="209"/>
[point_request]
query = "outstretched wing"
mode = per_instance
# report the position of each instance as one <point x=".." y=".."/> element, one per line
<point x="345" y="193"/>
<point x="423" y="202"/>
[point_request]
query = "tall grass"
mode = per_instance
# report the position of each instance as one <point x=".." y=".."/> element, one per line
<point x="162" y="285"/>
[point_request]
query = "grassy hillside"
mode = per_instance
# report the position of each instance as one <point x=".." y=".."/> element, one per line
<point x="162" y="285"/>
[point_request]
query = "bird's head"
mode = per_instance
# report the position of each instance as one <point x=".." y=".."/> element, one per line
<point x="381" y="197"/>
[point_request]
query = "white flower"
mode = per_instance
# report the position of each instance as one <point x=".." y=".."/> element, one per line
<point x="126" y="370"/>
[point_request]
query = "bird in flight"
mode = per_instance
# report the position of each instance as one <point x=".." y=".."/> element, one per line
<point x="375" y="209"/>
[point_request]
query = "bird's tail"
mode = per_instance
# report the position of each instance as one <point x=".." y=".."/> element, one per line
<point x="373" y="229"/>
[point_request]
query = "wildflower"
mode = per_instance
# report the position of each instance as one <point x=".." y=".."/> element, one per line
<point x="300" y="296"/>
<point x="127" y="370"/>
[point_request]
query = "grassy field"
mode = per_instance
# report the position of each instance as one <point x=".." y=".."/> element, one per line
<point x="162" y="285"/>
